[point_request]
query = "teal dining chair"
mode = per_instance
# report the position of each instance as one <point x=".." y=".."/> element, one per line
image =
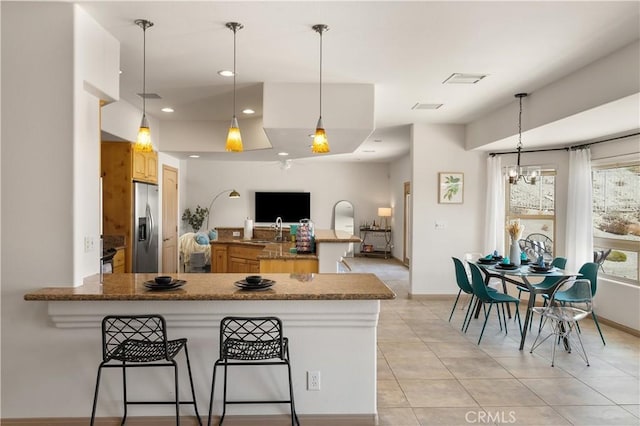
<point x="491" y="298"/>
<point x="589" y="271"/>
<point x="462" y="279"/>
<point x="547" y="282"/>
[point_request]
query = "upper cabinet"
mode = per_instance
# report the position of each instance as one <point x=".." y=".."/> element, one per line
<point x="138" y="166"/>
<point x="145" y="166"/>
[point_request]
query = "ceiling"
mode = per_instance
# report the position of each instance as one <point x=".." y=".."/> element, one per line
<point x="405" y="49"/>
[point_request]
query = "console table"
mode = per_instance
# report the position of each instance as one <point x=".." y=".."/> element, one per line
<point x="369" y="238"/>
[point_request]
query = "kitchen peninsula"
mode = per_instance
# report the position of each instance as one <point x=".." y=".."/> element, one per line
<point x="330" y="320"/>
<point x="263" y="254"/>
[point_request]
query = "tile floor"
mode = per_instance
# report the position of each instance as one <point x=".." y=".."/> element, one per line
<point x="430" y="373"/>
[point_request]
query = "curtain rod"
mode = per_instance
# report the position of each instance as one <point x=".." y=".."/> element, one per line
<point x="567" y="148"/>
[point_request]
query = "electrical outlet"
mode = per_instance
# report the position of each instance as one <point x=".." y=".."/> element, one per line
<point x="440" y="225"/>
<point x="88" y="244"/>
<point x="236" y="233"/>
<point x="313" y="380"/>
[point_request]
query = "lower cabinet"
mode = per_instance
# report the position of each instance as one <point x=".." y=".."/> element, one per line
<point x="118" y="262"/>
<point x="296" y="266"/>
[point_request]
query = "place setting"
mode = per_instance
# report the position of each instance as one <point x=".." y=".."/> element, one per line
<point x="164" y="283"/>
<point x="491" y="258"/>
<point x="254" y="283"/>
<point x="541" y="267"/>
<point x="507" y="265"/>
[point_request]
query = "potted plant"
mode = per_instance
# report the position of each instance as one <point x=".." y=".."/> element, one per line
<point x="196" y="218"/>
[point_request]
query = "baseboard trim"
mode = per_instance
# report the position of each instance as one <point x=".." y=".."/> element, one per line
<point x="240" y="420"/>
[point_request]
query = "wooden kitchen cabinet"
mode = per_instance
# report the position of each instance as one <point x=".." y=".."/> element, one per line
<point x="295" y="266"/>
<point x="145" y="166"/>
<point x="233" y="257"/>
<point x="219" y="258"/>
<point x="118" y="261"/>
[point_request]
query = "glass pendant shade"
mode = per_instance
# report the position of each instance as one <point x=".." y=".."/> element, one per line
<point x="320" y="143"/>
<point x="143" y="141"/>
<point x="234" y="139"/>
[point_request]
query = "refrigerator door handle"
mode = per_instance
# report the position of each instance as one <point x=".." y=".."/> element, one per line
<point x="151" y="225"/>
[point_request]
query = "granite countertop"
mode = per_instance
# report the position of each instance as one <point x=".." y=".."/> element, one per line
<point x="350" y="286"/>
<point x="280" y="250"/>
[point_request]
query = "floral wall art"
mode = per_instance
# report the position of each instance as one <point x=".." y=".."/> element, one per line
<point x="451" y="187"/>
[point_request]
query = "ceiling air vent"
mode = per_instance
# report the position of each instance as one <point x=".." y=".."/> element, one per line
<point x="149" y="95"/>
<point x="462" y="78"/>
<point x="421" y="105"/>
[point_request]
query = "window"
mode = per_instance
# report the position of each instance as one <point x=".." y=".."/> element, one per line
<point x="534" y="205"/>
<point x="616" y="218"/>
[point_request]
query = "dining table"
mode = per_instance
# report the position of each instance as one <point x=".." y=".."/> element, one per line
<point x="520" y="276"/>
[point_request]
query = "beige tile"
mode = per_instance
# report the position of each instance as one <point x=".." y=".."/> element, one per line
<point x="565" y="391"/>
<point x="601" y="416"/>
<point x="540" y="415"/>
<point x="436" y="393"/>
<point x="419" y="368"/>
<point x="475" y="368"/>
<point x="497" y="392"/>
<point x="396" y="332"/>
<point x="463" y="416"/>
<point x="455" y="349"/>
<point x="397" y="417"/>
<point x="393" y="350"/>
<point x="633" y="409"/>
<point x="390" y="394"/>
<point x="384" y="372"/>
<point x="621" y="390"/>
<point x="530" y="366"/>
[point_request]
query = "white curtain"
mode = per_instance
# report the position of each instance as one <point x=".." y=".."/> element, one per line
<point x="579" y="232"/>
<point x="494" y="212"/>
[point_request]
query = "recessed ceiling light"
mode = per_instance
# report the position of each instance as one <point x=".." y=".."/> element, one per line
<point x="462" y="78"/>
<point x="421" y="105"/>
<point x="225" y="73"/>
<point x="248" y="111"/>
<point x="194" y="156"/>
<point x="283" y="154"/>
<point x="120" y="72"/>
<point x="167" y="109"/>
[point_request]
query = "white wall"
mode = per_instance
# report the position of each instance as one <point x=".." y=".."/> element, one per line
<point x="50" y="176"/>
<point x="366" y="185"/>
<point x="440" y="148"/>
<point x="400" y="172"/>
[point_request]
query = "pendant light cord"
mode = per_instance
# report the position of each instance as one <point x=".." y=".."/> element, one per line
<point x="321" y="31"/>
<point x="234" y="70"/>
<point x="144" y="69"/>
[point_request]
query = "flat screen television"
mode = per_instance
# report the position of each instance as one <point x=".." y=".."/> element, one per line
<point x="290" y="206"/>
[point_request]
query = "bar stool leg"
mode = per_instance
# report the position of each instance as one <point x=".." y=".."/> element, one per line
<point x="193" y="391"/>
<point x="95" y="395"/>
<point x="175" y="382"/>
<point x="124" y="392"/>
<point x="224" y="393"/>
<point x="213" y="384"/>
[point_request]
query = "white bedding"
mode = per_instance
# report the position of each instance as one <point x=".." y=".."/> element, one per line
<point x="188" y="245"/>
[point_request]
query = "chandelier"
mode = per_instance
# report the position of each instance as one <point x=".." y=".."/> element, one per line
<point x="528" y="174"/>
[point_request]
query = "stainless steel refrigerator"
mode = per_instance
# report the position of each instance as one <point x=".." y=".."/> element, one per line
<point x="145" y="237"/>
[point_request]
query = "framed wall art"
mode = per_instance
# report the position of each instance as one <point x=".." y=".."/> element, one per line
<point x="450" y="188"/>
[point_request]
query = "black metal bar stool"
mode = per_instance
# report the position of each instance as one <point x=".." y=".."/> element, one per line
<point x="141" y="341"/>
<point x="252" y="341"/>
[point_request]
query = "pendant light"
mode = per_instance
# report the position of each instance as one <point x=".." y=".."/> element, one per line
<point x="234" y="140"/>
<point x="143" y="141"/>
<point x="527" y="174"/>
<point x="320" y="143"/>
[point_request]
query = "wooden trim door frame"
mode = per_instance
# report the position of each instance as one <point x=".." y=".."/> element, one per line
<point x="169" y="219"/>
<point x="406" y="239"/>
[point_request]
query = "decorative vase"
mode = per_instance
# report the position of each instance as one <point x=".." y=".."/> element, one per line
<point x="515" y="252"/>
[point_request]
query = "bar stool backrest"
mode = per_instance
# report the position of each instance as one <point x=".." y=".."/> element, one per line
<point x="251" y="338"/>
<point x="139" y="338"/>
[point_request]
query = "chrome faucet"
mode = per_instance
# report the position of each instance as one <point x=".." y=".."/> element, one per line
<point x="279" y="228"/>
